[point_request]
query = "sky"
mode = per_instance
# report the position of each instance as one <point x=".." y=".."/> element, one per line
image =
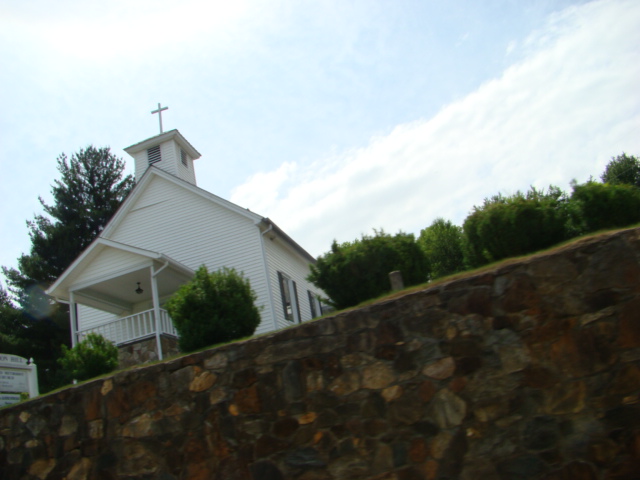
<point x="331" y="117"/>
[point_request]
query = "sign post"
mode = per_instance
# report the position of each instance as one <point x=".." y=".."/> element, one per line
<point x="17" y="375"/>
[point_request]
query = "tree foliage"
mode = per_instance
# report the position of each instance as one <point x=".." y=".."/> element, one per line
<point x="503" y="226"/>
<point x="213" y="308"/>
<point x="516" y="225"/>
<point x="599" y="206"/>
<point x="42" y="340"/>
<point x="353" y="272"/>
<point x="93" y="356"/>
<point x="90" y="189"/>
<point x="622" y="170"/>
<point x="11" y="322"/>
<point x="442" y="244"/>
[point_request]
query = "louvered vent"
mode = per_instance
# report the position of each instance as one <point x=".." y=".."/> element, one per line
<point x="183" y="157"/>
<point x="153" y="155"/>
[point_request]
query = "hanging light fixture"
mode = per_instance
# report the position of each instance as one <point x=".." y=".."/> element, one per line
<point x="139" y="290"/>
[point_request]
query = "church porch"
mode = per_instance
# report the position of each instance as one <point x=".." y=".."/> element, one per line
<point x="131" y="284"/>
<point x="139" y="338"/>
<point x="136" y="295"/>
<point x="132" y="328"/>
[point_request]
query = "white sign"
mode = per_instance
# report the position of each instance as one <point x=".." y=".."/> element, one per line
<point x="13" y="380"/>
<point x="17" y="375"/>
<point x="9" y="399"/>
<point x="12" y="361"/>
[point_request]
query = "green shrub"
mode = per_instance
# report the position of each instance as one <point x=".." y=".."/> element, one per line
<point x="93" y="356"/>
<point x="516" y="225"/>
<point x="213" y="308"/>
<point x="442" y="244"/>
<point x="353" y="272"/>
<point x="600" y="206"/>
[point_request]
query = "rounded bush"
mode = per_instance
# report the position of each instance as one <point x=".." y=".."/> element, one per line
<point x="353" y="272"/>
<point x="93" y="356"/>
<point x="516" y="225"/>
<point x="601" y="206"/>
<point x="213" y="308"/>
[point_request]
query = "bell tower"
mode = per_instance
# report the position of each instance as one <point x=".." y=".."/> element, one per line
<point x="169" y="151"/>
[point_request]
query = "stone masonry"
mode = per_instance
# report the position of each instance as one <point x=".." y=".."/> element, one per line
<point x="527" y="370"/>
<point x="146" y="350"/>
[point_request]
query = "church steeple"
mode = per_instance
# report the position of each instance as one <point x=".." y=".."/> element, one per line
<point x="169" y="151"/>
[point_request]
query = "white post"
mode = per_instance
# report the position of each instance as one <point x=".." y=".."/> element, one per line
<point x="396" y="280"/>
<point x="34" y="391"/>
<point x="156" y="310"/>
<point x="74" y="319"/>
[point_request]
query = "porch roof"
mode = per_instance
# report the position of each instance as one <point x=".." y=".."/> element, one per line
<point x="114" y="289"/>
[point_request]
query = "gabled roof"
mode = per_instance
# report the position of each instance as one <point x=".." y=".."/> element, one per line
<point x="257" y="219"/>
<point x="267" y="222"/>
<point x="99" y="243"/>
<point x="152" y="171"/>
<point x="65" y="281"/>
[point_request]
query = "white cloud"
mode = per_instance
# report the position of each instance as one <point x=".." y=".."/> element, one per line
<point x="99" y="33"/>
<point x="568" y="105"/>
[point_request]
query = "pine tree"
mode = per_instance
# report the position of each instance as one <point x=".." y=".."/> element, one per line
<point x="90" y="189"/>
<point x="88" y="193"/>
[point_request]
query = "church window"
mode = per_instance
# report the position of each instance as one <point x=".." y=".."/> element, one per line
<point x="153" y="155"/>
<point x="314" y="304"/>
<point x="289" y="294"/>
<point x="184" y="158"/>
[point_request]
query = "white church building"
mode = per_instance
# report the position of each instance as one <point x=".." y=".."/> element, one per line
<point x="165" y="229"/>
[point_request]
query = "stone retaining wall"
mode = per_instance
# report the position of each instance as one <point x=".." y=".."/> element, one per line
<point x="146" y="350"/>
<point x="530" y="370"/>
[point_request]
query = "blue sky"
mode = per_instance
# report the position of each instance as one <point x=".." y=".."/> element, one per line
<point x="330" y="117"/>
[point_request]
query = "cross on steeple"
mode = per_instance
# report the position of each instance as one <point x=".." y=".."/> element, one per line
<point x="159" y="112"/>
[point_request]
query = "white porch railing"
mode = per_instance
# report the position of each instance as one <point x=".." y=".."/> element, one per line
<point x="133" y="327"/>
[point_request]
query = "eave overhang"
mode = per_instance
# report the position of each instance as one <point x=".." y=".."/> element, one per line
<point x="164" y="137"/>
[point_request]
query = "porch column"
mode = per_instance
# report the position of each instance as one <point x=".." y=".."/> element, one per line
<point x="74" y="319"/>
<point x="156" y="310"/>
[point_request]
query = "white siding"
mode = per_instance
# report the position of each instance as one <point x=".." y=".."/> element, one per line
<point x="282" y="258"/>
<point x="107" y="262"/>
<point x="141" y="164"/>
<point x="195" y="231"/>
<point x="90" y="317"/>
<point x="181" y="171"/>
<point x="170" y="162"/>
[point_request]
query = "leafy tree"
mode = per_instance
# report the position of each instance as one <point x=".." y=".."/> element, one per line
<point x="516" y="225"/>
<point x="353" y="272"/>
<point x="622" y="170"/>
<point x="600" y="206"/>
<point x="442" y="244"/>
<point x="93" y="356"/>
<point x="213" y="308"/>
<point x="90" y="189"/>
